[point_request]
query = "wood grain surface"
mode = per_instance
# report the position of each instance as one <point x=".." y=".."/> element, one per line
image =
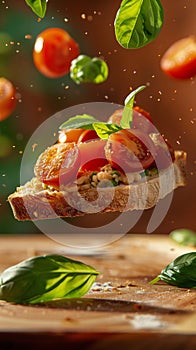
<point x="123" y="309"/>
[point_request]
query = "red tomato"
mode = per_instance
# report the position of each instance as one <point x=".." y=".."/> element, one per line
<point x="58" y="164"/>
<point x="70" y="135"/>
<point x="179" y="61"/>
<point x="53" y="52"/>
<point x="143" y="112"/>
<point x="164" y="153"/>
<point x="116" y="117"/>
<point x="141" y="119"/>
<point x="129" y="150"/>
<point x="7" y="98"/>
<point x="92" y="155"/>
<point x="87" y="135"/>
<point x="77" y="135"/>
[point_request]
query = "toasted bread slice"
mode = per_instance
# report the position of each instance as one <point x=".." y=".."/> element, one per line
<point x="32" y="202"/>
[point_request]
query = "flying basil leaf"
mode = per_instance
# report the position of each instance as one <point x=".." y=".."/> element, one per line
<point x="85" y="69"/>
<point x="83" y="121"/>
<point x="138" y="22"/>
<point x="45" y="278"/>
<point x="38" y="7"/>
<point x="181" y="272"/>
<point x="103" y="130"/>
<point x="127" y="114"/>
<point x="184" y="236"/>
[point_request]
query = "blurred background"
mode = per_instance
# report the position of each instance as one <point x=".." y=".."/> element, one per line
<point x="172" y="103"/>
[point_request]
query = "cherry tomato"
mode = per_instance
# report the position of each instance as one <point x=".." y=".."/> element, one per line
<point x="7" y="98"/>
<point x="92" y="155"/>
<point x="141" y="119"/>
<point x="77" y="135"/>
<point x="54" y="51"/>
<point x="87" y="135"/>
<point x="58" y="164"/>
<point x="179" y="61"/>
<point x="164" y="153"/>
<point x="70" y="135"/>
<point x="116" y="117"/>
<point x="128" y="150"/>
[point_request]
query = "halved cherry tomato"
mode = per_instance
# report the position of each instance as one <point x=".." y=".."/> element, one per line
<point x="92" y="155"/>
<point x="128" y="150"/>
<point x="179" y="61"/>
<point x="53" y="52"/>
<point x="87" y="135"/>
<point x="58" y="164"/>
<point x="7" y="98"/>
<point x="141" y="119"/>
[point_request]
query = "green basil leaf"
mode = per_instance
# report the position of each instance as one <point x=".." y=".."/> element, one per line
<point x="38" y="7"/>
<point x="138" y="22"/>
<point x="103" y="130"/>
<point x="181" y="272"/>
<point x="83" y="121"/>
<point x="127" y="114"/>
<point x="85" y="69"/>
<point x="184" y="236"/>
<point x="45" y="278"/>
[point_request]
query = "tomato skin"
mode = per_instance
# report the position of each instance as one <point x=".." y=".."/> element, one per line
<point x="92" y="155"/>
<point x="77" y="135"/>
<point x="179" y="61"/>
<point x="162" y="158"/>
<point x="7" y="98"/>
<point x="164" y="153"/>
<point x="58" y="164"/>
<point x="87" y="135"/>
<point x="70" y="135"/>
<point x="128" y="150"/>
<point x="141" y="119"/>
<point x="53" y="52"/>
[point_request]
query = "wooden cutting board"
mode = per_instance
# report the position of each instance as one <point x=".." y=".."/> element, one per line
<point x="121" y="309"/>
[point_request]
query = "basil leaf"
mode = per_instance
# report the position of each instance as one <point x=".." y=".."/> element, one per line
<point x="127" y="114"/>
<point x="85" y="69"/>
<point x="138" y="22"/>
<point x="38" y="7"/>
<point x="45" y="278"/>
<point x="184" y="236"/>
<point x="103" y="130"/>
<point x="181" y="272"/>
<point x="83" y="121"/>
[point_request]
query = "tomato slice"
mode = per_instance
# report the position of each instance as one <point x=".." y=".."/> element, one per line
<point x="58" y="164"/>
<point x="7" y="98"/>
<point x="179" y="61"/>
<point x="54" y="51"/>
<point x="128" y="150"/>
<point x="92" y="155"/>
<point x="141" y="119"/>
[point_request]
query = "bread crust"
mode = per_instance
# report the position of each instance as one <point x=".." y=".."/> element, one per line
<point x="32" y="202"/>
